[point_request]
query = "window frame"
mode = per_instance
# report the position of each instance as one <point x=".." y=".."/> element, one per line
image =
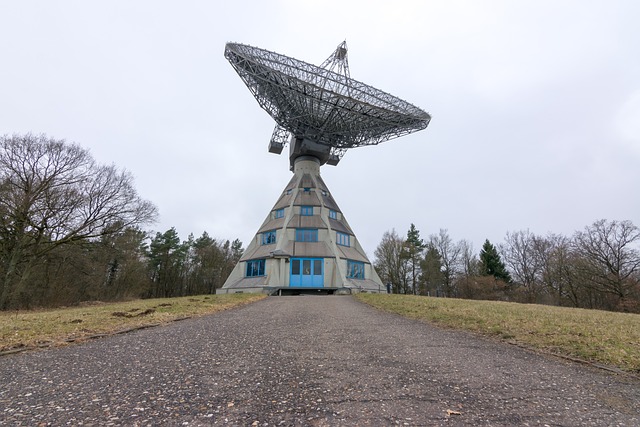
<point x="269" y="237"/>
<point x="306" y="210"/>
<point x="278" y="213"/>
<point x="255" y="268"/>
<point x="355" y="269"/>
<point x="306" y="234"/>
<point x="333" y="214"/>
<point x="343" y="239"/>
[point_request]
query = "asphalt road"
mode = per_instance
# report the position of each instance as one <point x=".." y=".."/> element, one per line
<point x="307" y="360"/>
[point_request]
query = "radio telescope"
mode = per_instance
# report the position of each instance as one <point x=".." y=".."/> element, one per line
<point x="305" y="244"/>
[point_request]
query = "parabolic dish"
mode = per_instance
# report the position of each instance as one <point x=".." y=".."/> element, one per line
<point x="321" y="105"/>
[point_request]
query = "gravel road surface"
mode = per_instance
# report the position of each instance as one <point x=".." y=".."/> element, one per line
<point x="308" y="361"/>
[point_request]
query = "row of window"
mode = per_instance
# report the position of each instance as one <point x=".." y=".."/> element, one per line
<point x="355" y="269"/>
<point x="306" y="235"/>
<point x="304" y="211"/>
<point x="306" y="190"/>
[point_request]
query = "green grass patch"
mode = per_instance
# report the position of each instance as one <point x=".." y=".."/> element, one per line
<point x="26" y="329"/>
<point x="611" y="339"/>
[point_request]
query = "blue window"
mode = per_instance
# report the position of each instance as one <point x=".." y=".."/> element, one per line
<point x="307" y="190"/>
<point x="289" y="191"/>
<point x="355" y="269"/>
<point x="255" y="268"/>
<point x="306" y="210"/>
<point x="343" y="239"/>
<point x="333" y="214"/>
<point x="279" y="213"/>
<point x="269" y="237"/>
<point x="306" y="235"/>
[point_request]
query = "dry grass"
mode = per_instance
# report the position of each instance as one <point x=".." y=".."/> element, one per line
<point x="611" y="339"/>
<point x="26" y="329"/>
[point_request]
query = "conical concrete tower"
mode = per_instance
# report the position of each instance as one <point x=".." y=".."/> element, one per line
<point x="304" y="244"/>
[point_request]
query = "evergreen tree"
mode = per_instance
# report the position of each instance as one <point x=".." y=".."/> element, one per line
<point x="491" y="264"/>
<point x="124" y="255"/>
<point x="432" y="277"/>
<point x="412" y="252"/>
<point x="232" y="252"/>
<point x="167" y="256"/>
<point x="236" y="251"/>
<point x="208" y="261"/>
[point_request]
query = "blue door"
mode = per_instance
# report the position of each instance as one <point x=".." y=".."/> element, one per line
<point x="307" y="272"/>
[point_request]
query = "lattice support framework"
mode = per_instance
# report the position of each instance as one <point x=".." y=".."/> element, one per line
<point x="322" y="104"/>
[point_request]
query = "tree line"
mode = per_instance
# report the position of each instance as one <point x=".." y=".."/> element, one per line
<point x="597" y="267"/>
<point x="71" y="231"/>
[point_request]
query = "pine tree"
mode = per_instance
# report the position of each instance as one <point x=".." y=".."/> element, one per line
<point x="167" y="256"/>
<point x="491" y="264"/>
<point x="412" y="252"/>
<point x="432" y="277"/>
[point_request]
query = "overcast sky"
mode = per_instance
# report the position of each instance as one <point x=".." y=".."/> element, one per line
<point x="535" y="105"/>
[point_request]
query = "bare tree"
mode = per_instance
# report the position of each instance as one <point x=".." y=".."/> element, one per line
<point x="53" y="193"/>
<point x="520" y="253"/>
<point x="469" y="270"/>
<point x="558" y="275"/>
<point x="390" y="264"/>
<point x="468" y="259"/>
<point x="610" y="257"/>
<point x="450" y="255"/>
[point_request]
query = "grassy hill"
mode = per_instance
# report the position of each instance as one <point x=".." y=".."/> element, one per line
<point x="600" y="337"/>
<point x="23" y="329"/>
